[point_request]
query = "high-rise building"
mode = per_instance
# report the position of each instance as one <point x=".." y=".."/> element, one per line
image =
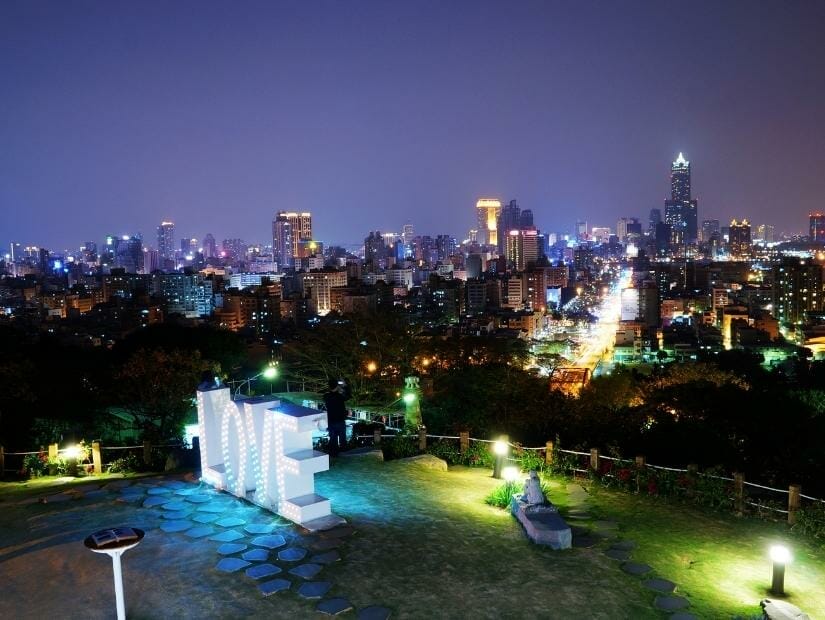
<point x="765" y="233"/>
<point x="210" y="248"/>
<point x="654" y="219"/>
<point x="739" y="239"/>
<point x="797" y="289"/>
<point x="508" y="220"/>
<point x="816" y="222"/>
<point x="128" y="253"/>
<point x="288" y="230"/>
<point x="526" y="219"/>
<point x="709" y="228"/>
<point x="681" y="210"/>
<point x="166" y="241"/>
<point x="487" y="212"/>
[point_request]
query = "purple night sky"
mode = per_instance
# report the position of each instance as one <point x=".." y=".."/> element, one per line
<point x="116" y="115"/>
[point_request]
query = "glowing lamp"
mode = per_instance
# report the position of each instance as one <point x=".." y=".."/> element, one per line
<point x="409" y="398"/>
<point x="72" y="452"/>
<point x="510" y="474"/>
<point x="372" y="366"/>
<point x="270" y="372"/>
<point x="500" y="448"/>
<point x="780" y="556"/>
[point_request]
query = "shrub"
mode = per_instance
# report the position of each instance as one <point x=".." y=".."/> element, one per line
<point x="129" y="463"/>
<point x="446" y="449"/>
<point x="810" y="522"/>
<point x="501" y="496"/>
<point x="400" y="447"/>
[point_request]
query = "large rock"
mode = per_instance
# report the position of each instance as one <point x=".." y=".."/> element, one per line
<point x="374" y="453"/>
<point x="780" y="610"/>
<point x="542" y="523"/>
<point x="426" y="460"/>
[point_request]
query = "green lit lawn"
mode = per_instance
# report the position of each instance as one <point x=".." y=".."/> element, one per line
<point x="719" y="561"/>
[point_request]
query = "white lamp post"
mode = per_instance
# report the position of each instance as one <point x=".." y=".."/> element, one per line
<point x="108" y="542"/>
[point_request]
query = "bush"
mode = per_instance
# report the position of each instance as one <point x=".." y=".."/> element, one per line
<point x="35" y="465"/>
<point x="446" y="449"/>
<point x="501" y="496"/>
<point x="810" y="522"/>
<point x="400" y="447"/>
<point x="125" y="465"/>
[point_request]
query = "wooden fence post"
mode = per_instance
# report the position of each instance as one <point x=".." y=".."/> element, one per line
<point x="422" y="439"/>
<point x="548" y="452"/>
<point x="692" y="472"/>
<point x="2" y="463"/>
<point x="53" y="450"/>
<point x="794" y="502"/>
<point x="376" y="437"/>
<point x="594" y="459"/>
<point x="739" y="492"/>
<point x="464" y="441"/>
<point x="641" y="463"/>
<point x="147" y="451"/>
<point x="96" y="459"/>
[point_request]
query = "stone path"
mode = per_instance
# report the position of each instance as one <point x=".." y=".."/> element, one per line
<point x="589" y="533"/>
<point x="249" y="541"/>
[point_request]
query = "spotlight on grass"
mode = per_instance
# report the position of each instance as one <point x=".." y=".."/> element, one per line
<point x="780" y="556"/>
<point x="510" y="474"/>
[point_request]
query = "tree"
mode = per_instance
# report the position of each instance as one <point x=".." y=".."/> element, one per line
<point x="156" y="387"/>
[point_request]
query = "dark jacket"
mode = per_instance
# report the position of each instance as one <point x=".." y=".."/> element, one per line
<point x="336" y="405"/>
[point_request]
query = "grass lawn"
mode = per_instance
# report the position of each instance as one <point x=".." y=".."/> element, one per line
<point x="719" y="561"/>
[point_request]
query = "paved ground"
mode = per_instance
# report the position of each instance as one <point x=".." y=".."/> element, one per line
<point x="420" y="544"/>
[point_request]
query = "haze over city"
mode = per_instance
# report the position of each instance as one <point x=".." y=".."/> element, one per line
<point x="118" y="116"/>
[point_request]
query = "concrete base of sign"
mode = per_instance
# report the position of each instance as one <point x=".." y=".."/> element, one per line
<point x="542" y="523"/>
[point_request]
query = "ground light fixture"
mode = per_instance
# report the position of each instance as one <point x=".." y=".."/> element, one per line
<point x="500" y="449"/>
<point x="510" y="474"/>
<point x="780" y="557"/>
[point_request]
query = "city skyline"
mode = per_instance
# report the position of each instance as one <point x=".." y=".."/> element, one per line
<point x="369" y="118"/>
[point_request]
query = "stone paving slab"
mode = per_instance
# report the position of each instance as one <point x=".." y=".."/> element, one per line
<point x="260" y="571"/>
<point x="334" y="606"/>
<point x="129" y="498"/>
<point x="174" y="484"/>
<point x="159" y="491"/>
<point x="618" y="554"/>
<point x="186" y="491"/>
<point x="204" y="517"/>
<point x="314" y="589"/>
<point x="176" y="506"/>
<point x="276" y="585"/>
<point x="200" y="531"/>
<point x="326" y="558"/>
<point x="627" y="545"/>
<point x="373" y="612"/>
<point x="256" y="555"/>
<point x="231" y="565"/>
<point x="585" y="542"/>
<point x="155" y="500"/>
<point x="117" y="484"/>
<point x="272" y="541"/>
<point x="259" y="528"/>
<point x="175" y="526"/>
<point x="57" y="498"/>
<point x="213" y="507"/>
<point x="636" y="568"/>
<point x="293" y="554"/>
<point x="230" y="522"/>
<point x="95" y="494"/>
<point x="664" y="586"/>
<point x="306" y="571"/>
<point x="226" y="536"/>
<point x="199" y="498"/>
<point x="669" y="602"/>
<point x="176" y="515"/>
<point x="230" y="548"/>
<point x="683" y="615"/>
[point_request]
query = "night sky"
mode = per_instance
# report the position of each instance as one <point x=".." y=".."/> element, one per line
<point x="114" y="116"/>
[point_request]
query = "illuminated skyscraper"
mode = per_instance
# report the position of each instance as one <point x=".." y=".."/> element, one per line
<point x="487" y="212"/>
<point x="166" y="241"/>
<point x="817" y="226"/>
<point x="681" y="210"/>
<point x="289" y="229"/>
<point x="739" y="238"/>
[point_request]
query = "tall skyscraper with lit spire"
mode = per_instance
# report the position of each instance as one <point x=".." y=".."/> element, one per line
<point x="487" y="212"/>
<point x="681" y="210"/>
<point x="166" y="241"/>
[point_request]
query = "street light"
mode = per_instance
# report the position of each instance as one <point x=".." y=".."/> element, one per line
<point x="780" y="556"/>
<point x="270" y="372"/>
<point x="372" y="366"/>
<point x="500" y="449"/>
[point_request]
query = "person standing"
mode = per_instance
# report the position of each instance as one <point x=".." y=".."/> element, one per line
<point x="335" y="399"/>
